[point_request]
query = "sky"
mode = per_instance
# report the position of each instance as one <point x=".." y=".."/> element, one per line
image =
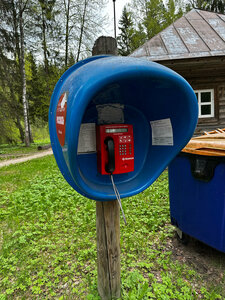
<point x="109" y="10"/>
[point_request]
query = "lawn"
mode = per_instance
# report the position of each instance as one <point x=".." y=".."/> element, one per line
<point x="15" y="151"/>
<point x="48" y="242"/>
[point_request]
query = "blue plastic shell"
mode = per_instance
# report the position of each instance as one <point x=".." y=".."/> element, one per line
<point x="147" y="92"/>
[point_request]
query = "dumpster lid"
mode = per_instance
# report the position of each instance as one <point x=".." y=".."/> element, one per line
<point x="211" y="143"/>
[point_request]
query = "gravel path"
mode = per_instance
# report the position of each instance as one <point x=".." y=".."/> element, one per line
<point x="22" y="159"/>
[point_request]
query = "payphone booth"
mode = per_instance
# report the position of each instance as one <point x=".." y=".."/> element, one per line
<point x="122" y="117"/>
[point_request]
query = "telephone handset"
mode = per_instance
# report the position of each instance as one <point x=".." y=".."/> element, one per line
<point x="110" y="165"/>
<point x="115" y="149"/>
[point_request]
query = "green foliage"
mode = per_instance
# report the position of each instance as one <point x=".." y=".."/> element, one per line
<point x="48" y="241"/>
<point x="127" y="32"/>
<point x="210" y="5"/>
<point x="129" y="38"/>
<point x="136" y="286"/>
<point x="174" y="11"/>
<point x="32" y="36"/>
<point x="210" y="295"/>
<point x="154" y="16"/>
<point x="40" y="87"/>
<point x="11" y="108"/>
<point x="9" y="131"/>
<point x="154" y="20"/>
<point x="40" y="131"/>
<point x="160" y="15"/>
<point x="39" y="90"/>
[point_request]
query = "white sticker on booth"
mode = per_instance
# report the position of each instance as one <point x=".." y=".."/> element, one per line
<point x="162" y="132"/>
<point x="87" y="138"/>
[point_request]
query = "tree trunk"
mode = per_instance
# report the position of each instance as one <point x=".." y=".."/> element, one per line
<point x="67" y="10"/>
<point x="81" y="30"/>
<point x="30" y="134"/>
<point x="29" y="127"/>
<point x="15" y="27"/>
<point x="19" y="126"/>
<point x="14" y="105"/>
<point x="23" y="76"/>
<point x="44" y="42"/>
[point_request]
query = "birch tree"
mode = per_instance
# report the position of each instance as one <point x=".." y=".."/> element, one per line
<point x="21" y="9"/>
<point x="13" y="28"/>
<point x="10" y="113"/>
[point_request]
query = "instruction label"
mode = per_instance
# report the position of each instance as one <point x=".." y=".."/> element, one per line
<point x="87" y="138"/>
<point x="162" y="132"/>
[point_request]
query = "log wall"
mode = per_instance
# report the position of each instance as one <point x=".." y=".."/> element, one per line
<point x="205" y="73"/>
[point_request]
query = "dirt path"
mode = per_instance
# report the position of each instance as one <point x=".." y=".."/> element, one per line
<point x="25" y="158"/>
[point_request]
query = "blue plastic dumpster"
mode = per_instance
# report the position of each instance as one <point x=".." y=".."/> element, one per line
<point x="197" y="197"/>
<point x="159" y="104"/>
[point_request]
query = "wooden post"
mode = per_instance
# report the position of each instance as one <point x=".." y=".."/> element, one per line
<point x="108" y="245"/>
<point x="108" y="219"/>
<point x="105" y="45"/>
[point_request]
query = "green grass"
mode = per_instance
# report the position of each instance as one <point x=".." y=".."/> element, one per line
<point x="14" y="151"/>
<point x="48" y="241"/>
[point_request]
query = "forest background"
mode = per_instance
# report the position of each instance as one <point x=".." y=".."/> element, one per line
<point x="41" y="39"/>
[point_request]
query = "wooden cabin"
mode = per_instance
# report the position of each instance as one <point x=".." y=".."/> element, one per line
<point x="194" y="47"/>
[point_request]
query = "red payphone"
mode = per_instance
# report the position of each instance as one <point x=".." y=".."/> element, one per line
<point x="115" y="149"/>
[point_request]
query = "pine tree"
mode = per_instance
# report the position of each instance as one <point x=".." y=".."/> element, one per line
<point x="143" y="19"/>
<point x="125" y="38"/>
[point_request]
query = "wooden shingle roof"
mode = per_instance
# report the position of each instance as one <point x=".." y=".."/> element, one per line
<point x="197" y="34"/>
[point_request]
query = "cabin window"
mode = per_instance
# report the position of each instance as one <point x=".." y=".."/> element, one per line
<point x="205" y="103"/>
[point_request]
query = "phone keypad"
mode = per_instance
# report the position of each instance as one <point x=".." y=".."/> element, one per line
<point x="125" y="149"/>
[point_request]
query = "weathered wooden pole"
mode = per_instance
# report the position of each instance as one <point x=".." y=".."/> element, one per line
<point x="108" y="219"/>
<point x="108" y="245"/>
